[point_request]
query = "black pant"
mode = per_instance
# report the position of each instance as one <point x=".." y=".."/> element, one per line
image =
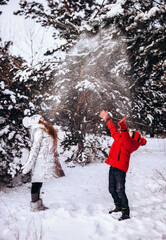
<point x="36" y="186"/>
<point x="117" y="179"/>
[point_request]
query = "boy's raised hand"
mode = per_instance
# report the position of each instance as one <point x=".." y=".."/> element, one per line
<point x="104" y="115"/>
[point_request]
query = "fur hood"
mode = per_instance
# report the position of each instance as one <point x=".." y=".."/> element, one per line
<point x="28" y="122"/>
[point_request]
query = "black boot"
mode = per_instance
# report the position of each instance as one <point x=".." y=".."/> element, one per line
<point x="125" y="214"/>
<point x="117" y="209"/>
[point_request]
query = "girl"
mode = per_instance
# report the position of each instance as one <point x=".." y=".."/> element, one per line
<point x="43" y="157"/>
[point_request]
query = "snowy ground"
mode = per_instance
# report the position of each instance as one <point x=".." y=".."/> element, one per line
<point x="79" y="203"/>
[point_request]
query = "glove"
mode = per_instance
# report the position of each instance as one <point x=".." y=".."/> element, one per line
<point x="122" y="124"/>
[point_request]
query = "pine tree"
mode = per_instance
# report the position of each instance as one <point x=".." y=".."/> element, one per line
<point x="94" y="76"/>
<point x="14" y="105"/>
<point x="143" y="24"/>
<point x="39" y="81"/>
<point x="149" y="65"/>
<point x="145" y="31"/>
<point x="65" y="18"/>
<point x="122" y="76"/>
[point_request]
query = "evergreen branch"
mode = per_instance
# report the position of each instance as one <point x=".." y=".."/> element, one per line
<point x="161" y="4"/>
<point x="67" y="7"/>
<point x="101" y="6"/>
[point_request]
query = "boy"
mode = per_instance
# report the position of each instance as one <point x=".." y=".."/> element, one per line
<point x="119" y="156"/>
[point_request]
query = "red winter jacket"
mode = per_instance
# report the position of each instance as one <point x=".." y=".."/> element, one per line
<point x="122" y="147"/>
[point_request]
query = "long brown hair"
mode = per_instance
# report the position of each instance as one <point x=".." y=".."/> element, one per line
<point x="50" y="130"/>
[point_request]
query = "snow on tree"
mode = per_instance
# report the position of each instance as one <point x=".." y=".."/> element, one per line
<point x="3" y="2"/>
<point x="14" y="105"/>
<point x="39" y="82"/>
<point x="143" y="23"/>
<point x="145" y="32"/>
<point x="101" y="73"/>
<point x="94" y="76"/>
<point x="109" y="55"/>
<point x="64" y="17"/>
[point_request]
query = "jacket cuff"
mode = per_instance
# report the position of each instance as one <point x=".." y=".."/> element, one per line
<point x="107" y="120"/>
<point x="123" y="130"/>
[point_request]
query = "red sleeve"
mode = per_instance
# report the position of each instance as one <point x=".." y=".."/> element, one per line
<point x="128" y="142"/>
<point x="113" y="129"/>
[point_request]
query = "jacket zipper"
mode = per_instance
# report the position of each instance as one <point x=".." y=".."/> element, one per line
<point x="119" y="155"/>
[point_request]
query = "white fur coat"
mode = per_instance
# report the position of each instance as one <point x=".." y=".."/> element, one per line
<point x="41" y="157"/>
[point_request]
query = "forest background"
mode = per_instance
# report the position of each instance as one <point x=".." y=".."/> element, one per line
<point x="81" y="57"/>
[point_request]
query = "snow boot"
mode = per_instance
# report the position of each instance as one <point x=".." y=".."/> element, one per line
<point x="37" y="206"/>
<point x="117" y="209"/>
<point x="125" y="214"/>
<point x="36" y="203"/>
<point x="43" y="204"/>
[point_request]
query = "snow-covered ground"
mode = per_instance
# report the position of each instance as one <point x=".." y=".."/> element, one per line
<point x="79" y="203"/>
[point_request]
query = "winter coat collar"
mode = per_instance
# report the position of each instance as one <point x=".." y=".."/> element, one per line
<point x="38" y="125"/>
